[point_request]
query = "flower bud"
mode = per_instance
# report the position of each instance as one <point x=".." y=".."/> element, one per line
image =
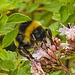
<point x="62" y="54"/>
<point x="53" y="60"/>
<point x="53" y="48"/>
<point x="57" y="56"/>
<point x="50" y="53"/>
<point x="58" y="42"/>
<point x="34" y="68"/>
<point x="48" y="66"/>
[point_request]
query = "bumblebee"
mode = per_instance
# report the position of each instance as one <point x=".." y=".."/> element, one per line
<point x="30" y="33"/>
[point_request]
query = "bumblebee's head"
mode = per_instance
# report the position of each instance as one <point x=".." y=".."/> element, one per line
<point x="39" y="34"/>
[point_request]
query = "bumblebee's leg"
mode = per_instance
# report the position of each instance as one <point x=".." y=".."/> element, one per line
<point x="45" y="44"/>
<point x="41" y="44"/>
<point x="23" y="55"/>
<point x="27" y="53"/>
<point x="36" y="43"/>
<point x="50" y="36"/>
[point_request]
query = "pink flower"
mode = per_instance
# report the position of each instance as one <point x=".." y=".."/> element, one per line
<point x="63" y="30"/>
<point x="36" y="73"/>
<point x="70" y="33"/>
<point x="38" y="68"/>
<point x="63" y="45"/>
<point x="40" y="53"/>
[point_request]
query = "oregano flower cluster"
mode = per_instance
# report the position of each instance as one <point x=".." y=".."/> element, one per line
<point x="48" y="57"/>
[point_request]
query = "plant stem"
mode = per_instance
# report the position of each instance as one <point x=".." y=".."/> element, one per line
<point x="65" y="68"/>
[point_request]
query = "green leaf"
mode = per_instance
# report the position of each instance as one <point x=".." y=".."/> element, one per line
<point x="32" y="7"/>
<point x="73" y="6"/>
<point x="72" y="70"/>
<point x="47" y="17"/>
<point x="3" y="20"/>
<point x="23" y="71"/>
<point x="56" y="16"/>
<point x="14" y="72"/>
<point x="0" y="62"/>
<point x="64" y="13"/>
<point x="64" y="1"/>
<point x="56" y="73"/>
<point x="68" y="57"/>
<point x="24" y="68"/>
<point x="11" y="55"/>
<point x="4" y="4"/>
<point x="55" y="26"/>
<point x="26" y="1"/>
<point x="3" y="74"/>
<point x="21" y="7"/>
<point x="8" y="65"/>
<point x="7" y="29"/>
<point x="25" y="64"/>
<point x="43" y="1"/>
<point x="71" y="18"/>
<point x="14" y="3"/>
<point x="3" y="54"/>
<point x="63" y="73"/>
<point x="9" y="73"/>
<point x="18" y="18"/>
<point x="7" y="40"/>
<point x="53" y="6"/>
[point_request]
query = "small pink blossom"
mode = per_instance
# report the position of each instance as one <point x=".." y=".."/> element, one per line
<point x="40" y="53"/>
<point x="38" y="67"/>
<point x="70" y="33"/>
<point x="63" y="45"/>
<point x="63" y="30"/>
<point x="36" y="73"/>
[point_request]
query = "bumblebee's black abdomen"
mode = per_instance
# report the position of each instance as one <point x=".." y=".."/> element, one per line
<point x="23" y="26"/>
<point x="27" y="46"/>
<point x="20" y="38"/>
